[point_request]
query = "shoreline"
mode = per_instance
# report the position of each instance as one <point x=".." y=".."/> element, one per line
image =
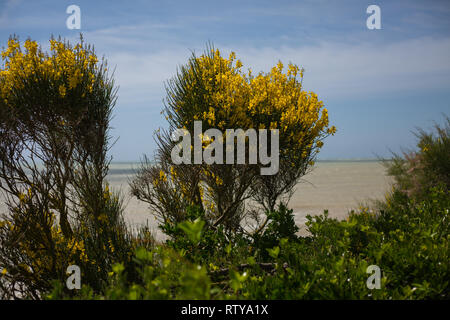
<point x="336" y="186"/>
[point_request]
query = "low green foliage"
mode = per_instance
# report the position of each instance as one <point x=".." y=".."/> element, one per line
<point x="408" y="240"/>
<point x="281" y="225"/>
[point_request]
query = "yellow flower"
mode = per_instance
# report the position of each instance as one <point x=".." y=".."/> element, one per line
<point x="106" y="193"/>
<point x="111" y="245"/>
<point x="62" y="91"/>
<point x="21" y="197"/>
<point x="213" y="267"/>
<point x="102" y="218"/>
<point x="162" y="176"/>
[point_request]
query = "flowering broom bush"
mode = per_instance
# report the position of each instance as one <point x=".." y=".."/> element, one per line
<point x="55" y="110"/>
<point x="216" y="91"/>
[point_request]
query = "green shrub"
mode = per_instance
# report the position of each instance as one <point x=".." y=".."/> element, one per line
<point x="428" y="166"/>
<point x="281" y="225"/>
<point x="162" y="274"/>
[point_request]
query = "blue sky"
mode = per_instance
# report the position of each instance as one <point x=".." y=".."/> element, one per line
<point x="378" y="85"/>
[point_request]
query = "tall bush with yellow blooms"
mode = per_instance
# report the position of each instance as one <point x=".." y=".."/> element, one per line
<point x="55" y="109"/>
<point x="217" y="91"/>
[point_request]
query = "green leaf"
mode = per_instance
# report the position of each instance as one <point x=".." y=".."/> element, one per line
<point x="228" y="248"/>
<point x="193" y="230"/>
<point x="251" y="260"/>
<point x="237" y="280"/>
<point x="274" y="252"/>
<point x="142" y="254"/>
<point x="118" y="268"/>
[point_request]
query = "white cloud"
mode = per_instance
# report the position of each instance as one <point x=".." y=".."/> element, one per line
<point x="141" y="76"/>
<point x="346" y="71"/>
<point x="333" y="70"/>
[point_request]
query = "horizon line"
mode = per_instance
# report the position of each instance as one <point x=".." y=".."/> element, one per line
<point x="318" y="160"/>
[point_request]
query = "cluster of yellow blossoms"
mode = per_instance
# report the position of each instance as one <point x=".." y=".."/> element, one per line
<point x="236" y="99"/>
<point x="65" y="67"/>
<point x="69" y="247"/>
<point x="66" y="250"/>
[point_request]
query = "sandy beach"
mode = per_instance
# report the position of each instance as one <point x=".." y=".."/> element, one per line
<point x="338" y="186"/>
